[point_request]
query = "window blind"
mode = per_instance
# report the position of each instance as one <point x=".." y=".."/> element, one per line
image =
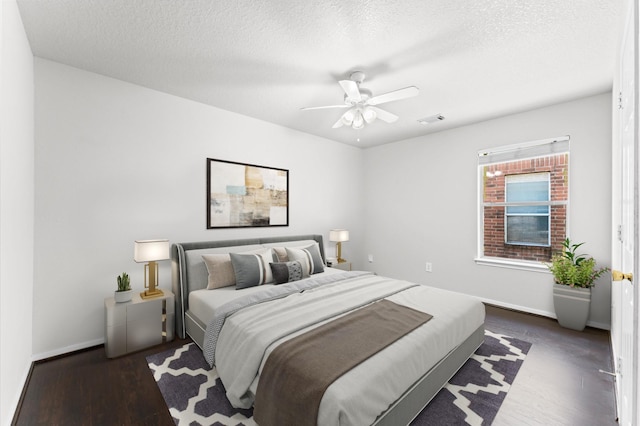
<point x="524" y="150"/>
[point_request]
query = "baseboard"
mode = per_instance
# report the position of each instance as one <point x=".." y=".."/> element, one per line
<point x="519" y="308"/>
<point x="67" y="349"/>
<point x="599" y="325"/>
<point x="539" y="312"/>
<point x="17" y="401"/>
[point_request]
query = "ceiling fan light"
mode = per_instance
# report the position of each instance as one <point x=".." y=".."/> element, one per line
<point x="369" y="115"/>
<point x="348" y="117"/>
<point x="358" y="121"/>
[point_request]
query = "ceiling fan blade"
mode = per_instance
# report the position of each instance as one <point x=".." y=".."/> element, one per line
<point x="407" y="92"/>
<point x="325" y="107"/>
<point x="351" y="89"/>
<point x="384" y="115"/>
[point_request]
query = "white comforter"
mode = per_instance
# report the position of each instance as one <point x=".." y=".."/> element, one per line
<point x="361" y="395"/>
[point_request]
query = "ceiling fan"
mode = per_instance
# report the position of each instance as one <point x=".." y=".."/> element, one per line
<point x="362" y="105"/>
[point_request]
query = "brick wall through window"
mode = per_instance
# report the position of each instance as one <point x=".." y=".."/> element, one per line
<point x="494" y="176"/>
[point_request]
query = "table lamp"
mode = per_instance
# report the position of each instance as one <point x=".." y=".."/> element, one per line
<point x="151" y="251"/>
<point x="338" y="236"/>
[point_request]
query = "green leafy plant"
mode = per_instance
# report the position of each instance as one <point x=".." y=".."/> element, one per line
<point x="123" y="282"/>
<point x="573" y="269"/>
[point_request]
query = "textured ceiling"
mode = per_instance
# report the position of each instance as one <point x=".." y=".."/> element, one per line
<point x="472" y="60"/>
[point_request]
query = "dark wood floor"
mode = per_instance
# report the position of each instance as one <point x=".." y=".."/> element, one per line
<point x="558" y="384"/>
<point x="87" y="388"/>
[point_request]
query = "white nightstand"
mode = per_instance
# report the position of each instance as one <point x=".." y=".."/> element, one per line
<point x="345" y="266"/>
<point x="138" y="324"/>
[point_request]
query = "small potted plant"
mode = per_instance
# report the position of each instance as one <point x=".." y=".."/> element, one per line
<point x="574" y="275"/>
<point x="124" y="292"/>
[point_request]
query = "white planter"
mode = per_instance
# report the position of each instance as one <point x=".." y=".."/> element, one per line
<point x="572" y="305"/>
<point x="123" y="296"/>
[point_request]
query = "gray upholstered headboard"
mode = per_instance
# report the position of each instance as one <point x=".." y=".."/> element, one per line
<point x="189" y="273"/>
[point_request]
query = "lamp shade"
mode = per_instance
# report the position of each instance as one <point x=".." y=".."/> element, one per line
<point x="338" y="235"/>
<point x="150" y="250"/>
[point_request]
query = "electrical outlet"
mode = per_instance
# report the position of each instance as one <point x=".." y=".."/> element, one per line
<point x="428" y="267"/>
<point x="370" y="258"/>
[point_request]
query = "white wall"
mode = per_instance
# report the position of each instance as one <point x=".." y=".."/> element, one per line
<point x="421" y="204"/>
<point x="116" y="162"/>
<point x="16" y="207"/>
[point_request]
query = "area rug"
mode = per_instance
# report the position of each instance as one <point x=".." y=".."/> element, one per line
<point x="195" y="395"/>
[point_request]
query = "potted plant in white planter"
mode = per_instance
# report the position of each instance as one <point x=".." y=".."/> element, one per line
<point x="124" y="292"/>
<point x="574" y="275"/>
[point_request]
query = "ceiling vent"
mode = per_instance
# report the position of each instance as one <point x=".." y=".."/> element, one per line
<point x="431" y="119"/>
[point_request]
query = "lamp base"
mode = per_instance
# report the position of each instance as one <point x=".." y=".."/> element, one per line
<point x="147" y="294"/>
<point x="341" y="260"/>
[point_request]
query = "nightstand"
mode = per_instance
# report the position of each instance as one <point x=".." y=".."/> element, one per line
<point x="345" y="266"/>
<point x="138" y="324"/>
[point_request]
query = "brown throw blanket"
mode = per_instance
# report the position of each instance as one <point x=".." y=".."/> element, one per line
<point x="298" y="371"/>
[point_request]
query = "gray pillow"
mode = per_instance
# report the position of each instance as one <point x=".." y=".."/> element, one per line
<point x="309" y="257"/>
<point x="286" y="272"/>
<point x="252" y="269"/>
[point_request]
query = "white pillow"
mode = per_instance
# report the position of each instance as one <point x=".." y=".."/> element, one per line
<point x="220" y="269"/>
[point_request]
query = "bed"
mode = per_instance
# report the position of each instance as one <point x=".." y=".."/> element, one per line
<point x="389" y="388"/>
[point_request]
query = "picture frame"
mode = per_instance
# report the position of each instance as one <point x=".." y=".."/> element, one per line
<point x="242" y="195"/>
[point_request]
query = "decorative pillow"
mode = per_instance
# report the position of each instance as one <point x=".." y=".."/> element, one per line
<point x="252" y="269"/>
<point x="309" y="257"/>
<point x="285" y="272"/>
<point x="220" y="269"/>
<point x="280" y="254"/>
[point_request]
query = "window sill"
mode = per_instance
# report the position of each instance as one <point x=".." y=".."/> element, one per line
<point x="524" y="265"/>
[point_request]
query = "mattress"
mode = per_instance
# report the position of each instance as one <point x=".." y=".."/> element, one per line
<point x="369" y="389"/>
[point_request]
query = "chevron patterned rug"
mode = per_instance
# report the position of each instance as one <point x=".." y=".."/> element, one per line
<point x="195" y="395"/>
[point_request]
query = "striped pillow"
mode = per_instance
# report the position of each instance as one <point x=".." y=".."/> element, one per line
<point x="309" y="257"/>
<point x="252" y="269"/>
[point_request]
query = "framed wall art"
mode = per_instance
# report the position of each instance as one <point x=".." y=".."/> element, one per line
<point x="245" y="195"/>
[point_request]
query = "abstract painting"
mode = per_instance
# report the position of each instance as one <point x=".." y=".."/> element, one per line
<point x="245" y="195"/>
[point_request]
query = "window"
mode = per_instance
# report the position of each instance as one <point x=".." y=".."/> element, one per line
<point x="524" y="197"/>
<point x="527" y="223"/>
